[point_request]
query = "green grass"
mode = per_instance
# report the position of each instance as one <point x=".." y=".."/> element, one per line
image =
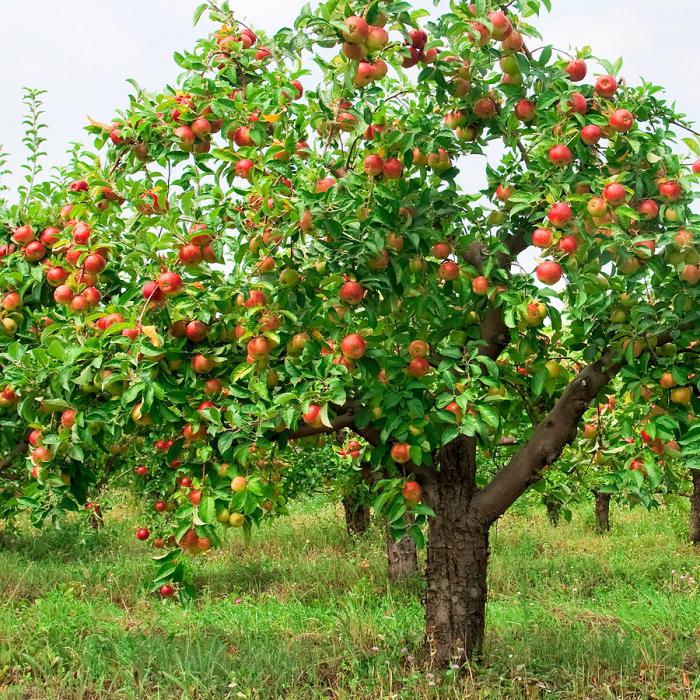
<point x="305" y="612"/>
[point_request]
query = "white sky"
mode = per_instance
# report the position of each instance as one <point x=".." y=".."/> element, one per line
<point x="82" y="51"/>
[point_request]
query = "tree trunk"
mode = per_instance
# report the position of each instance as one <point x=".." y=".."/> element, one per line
<point x="356" y="516"/>
<point x="553" y="511"/>
<point x="695" y="507"/>
<point x="455" y="603"/>
<point x="602" y="512"/>
<point x="401" y="556"/>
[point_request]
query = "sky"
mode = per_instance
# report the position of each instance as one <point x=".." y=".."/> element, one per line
<point x="81" y="52"/>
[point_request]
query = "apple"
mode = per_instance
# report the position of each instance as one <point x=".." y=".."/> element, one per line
<point x="394" y="241"/>
<point x="525" y="110"/>
<point x="186" y="137"/>
<point x="448" y="271"/>
<point x="411" y="491"/>
<point x="373" y="165"/>
<point x="35" y="438"/>
<point x="670" y="190"/>
<point x="23" y="234"/>
<point x="576" y="70"/>
<point x="591" y="134"/>
<point x="690" y="274"/>
<point x="418" y="367"/>
<point x="324" y="184"/>
<point x="393" y="169"/>
<point x="202" y="364"/>
<point x="560" y="214"/>
<point x="502" y="26"/>
<point x="480" y="285"/>
<point x="92" y="296"/>
<point x="648" y="209"/>
<point x="614" y="194"/>
<point x="597" y="206"/>
<point x="244" y="167"/>
<point x="542" y="238"/>
<point x="152" y="292"/>
<point x="567" y="245"/>
<point x="577" y="103"/>
<point x="364" y="74"/>
<point x="94" y="263"/>
<point x="401" y="452"/>
<point x="696" y="167"/>
<point x="63" y="295"/>
<point x="142" y="534"/>
<point x="682" y="395"/>
<point x="195" y="497"/>
<point x="258" y="347"/>
<point x="441" y="250"/>
<point x="418" y="348"/>
<point x="34" y="251"/>
<point x="621" y="121"/>
<point x="418" y="38"/>
<point x="356" y="30"/>
<point x="560" y="155"/>
<point x="485" y="108"/>
<point x="11" y="301"/>
<point x="242" y="137"/>
<point x="170" y="283"/>
<point x="196" y="331"/>
<point x="548" y="272"/>
<point x="606" y="86"/>
<point x="353" y="346"/>
<point x="513" y="42"/>
<point x="166" y="590"/>
<point x="312" y="416"/>
<point x="352" y="292"/>
<point x="236" y="520"/>
<point x="68" y="418"/>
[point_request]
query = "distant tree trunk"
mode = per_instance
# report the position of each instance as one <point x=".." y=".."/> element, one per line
<point x="356" y="516"/>
<point x="553" y="511"/>
<point x="602" y="512"/>
<point x="402" y="556"/>
<point x="695" y="507"/>
<point x="96" y="519"/>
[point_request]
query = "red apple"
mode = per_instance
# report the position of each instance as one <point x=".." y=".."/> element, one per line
<point x="548" y="272"/>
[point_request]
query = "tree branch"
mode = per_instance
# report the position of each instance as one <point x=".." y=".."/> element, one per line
<point x="19" y="449"/>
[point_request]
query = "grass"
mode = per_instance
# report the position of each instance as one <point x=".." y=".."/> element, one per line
<point x="305" y="612"/>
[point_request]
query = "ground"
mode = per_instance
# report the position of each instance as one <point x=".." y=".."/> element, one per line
<point x="305" y="612"/>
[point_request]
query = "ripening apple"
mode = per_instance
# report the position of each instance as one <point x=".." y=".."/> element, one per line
<point x="401" y="452"/>
<point x="63" y="295"/>
<point x="648" y="209"/>
<point x="606" y="86"/>
<point x="352" y="292"/>
<point x="364" y="74"/>
<point x="485" y="108"/>
<point x="373" y="165"/>
<point x="418" y="367"/>
<point x="480" y="285"/>
<point x="567" y="245"/>
<point x="560" y="155"/>
<point x="448" y="271"/>
<point x="576" y="70"/>
<point x="690" y="274"/>
<point x="201" y="364"/>
<point x="670" y="190"/>
<point x="68" y="418"/>
<point x="513" y="42"/>
<point x="597" y="207"/>
<point x="411" y="490"/>
<point x="542" y="238"/>
<point x="548" y="272"/>
<point x="312" y="417"/>
<point x="525" y="110"/>
<point x="356" y="30"/>
<point x="681" y="395"/>
<point x="591" y="134"/>
<point x="353" y="346"/>
<point x="560" y="214"/>
<point x="621" y="120"/>
<point x="418" y="348"/>
<point x="393" y="169"/>
<point x="577" y="103"/>
<point x="614" y="194"/>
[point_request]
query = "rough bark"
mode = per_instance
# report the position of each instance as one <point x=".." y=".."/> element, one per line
<point x="455" y="602"/>
<point x="356" y="516"/>
<point x="695" y="507"/>
<point x="553" y="511"/>
<point x="401" y="556"/>
<point x="602" y="512"/>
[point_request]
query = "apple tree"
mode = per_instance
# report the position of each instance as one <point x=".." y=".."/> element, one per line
<point x="265" y="253"/>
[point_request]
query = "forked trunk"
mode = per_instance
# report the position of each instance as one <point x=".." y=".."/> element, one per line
<point x="602" y="512"/>
<point x="695" y="507"/>
<point x="401" y="556"/>
<point x="455" y="605"/>
<point x="356" y="516"/>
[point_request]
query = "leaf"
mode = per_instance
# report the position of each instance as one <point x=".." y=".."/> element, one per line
<point x="207" y="510"/>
